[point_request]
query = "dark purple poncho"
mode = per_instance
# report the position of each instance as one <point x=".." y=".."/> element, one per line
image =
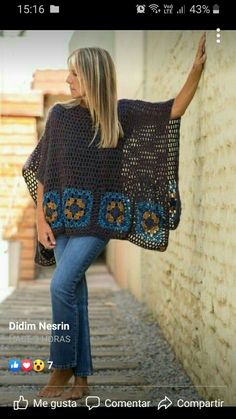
<point x="129" y="192"/>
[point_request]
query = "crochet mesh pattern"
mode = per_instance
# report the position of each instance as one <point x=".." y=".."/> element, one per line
<point x="129" y="192"/>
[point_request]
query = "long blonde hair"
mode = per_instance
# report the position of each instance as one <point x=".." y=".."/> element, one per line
<point x="97" y="75"/>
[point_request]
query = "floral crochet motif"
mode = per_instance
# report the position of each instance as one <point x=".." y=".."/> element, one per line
<point x="149" y="221"/>
<point x="52" y="209"/>
<point x="115" y="212"/>
<point x="77" y="205"/>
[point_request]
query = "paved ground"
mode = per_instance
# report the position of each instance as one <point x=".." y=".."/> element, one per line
<point x="132" y="360"/>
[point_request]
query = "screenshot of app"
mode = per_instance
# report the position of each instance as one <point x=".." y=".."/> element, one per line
<point x="117" y="208"/>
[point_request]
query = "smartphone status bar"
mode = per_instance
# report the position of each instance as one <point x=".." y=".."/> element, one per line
<point x="131" y="15"/>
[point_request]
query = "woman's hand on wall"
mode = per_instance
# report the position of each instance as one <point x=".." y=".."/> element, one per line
<point x="201" y="56"/>
<point x="188" y="91"/>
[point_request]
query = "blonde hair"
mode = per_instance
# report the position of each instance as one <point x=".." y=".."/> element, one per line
<point x="97" y="75"/>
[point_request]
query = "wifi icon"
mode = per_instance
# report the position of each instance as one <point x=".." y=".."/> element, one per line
<point x="154" y="8"/>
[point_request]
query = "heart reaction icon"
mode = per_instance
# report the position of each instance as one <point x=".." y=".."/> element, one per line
<point x="26" y="365"/>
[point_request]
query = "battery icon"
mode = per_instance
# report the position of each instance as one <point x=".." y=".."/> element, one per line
<point x="54" y="9"/>
<point x="216" y="9"/>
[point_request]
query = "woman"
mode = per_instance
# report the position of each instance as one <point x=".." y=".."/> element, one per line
<point x="103" y="169"/>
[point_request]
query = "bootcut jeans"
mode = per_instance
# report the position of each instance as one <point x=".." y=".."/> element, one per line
<point x="69" y="296"/>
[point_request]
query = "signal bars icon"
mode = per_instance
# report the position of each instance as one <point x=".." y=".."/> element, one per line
<point x="181" y="11"/>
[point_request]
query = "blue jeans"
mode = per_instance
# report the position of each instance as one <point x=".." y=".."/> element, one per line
<point x="69" y="295"/>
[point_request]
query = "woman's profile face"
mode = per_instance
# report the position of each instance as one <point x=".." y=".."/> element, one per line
<point x="75" y="84"/>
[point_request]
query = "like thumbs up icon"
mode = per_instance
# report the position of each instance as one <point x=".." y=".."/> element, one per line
<point x="20" y="404"/>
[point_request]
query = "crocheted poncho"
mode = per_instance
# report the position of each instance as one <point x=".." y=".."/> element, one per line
<point x="129" y="192"/>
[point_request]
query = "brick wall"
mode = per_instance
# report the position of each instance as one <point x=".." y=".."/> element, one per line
<point x="21" y="124"/>
<point x="18" y="136"/>
<point x="191" y="287"/>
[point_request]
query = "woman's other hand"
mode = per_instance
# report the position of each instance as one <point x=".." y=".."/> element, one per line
<point x="45" y="234"/>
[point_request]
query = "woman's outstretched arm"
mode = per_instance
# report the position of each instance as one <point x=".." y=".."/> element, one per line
<point x="187" y="92"/>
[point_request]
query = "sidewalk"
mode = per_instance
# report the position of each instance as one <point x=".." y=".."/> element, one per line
<point x="131" y="359"/>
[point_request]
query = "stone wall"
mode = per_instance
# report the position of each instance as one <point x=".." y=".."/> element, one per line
<point x="191" y="287"/>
